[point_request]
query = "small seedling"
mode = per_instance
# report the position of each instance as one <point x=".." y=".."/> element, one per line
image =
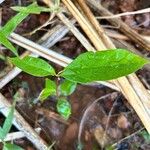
<point x="61" y="92"/>
<point x="87" y="67"/>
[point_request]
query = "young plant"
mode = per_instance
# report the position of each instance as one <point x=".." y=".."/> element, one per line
<point x="61" y="92"/>
<point x="87" y="67"/>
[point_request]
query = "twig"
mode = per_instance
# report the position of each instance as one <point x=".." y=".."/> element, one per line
<point x="146" y="10"/>
<point x="22" y="125"/>
<point x="120" y="36"/>
<point x="17" y="135"/>
<point x="101" y="33"/>
<point x="48" y="22"/>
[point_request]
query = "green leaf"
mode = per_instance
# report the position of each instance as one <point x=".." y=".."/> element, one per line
<point x="8" y="123"/>
<point x="34" y="66"/>
<point x="102" y="65"/>
<point x="50" y="89"/>
<point x="7" y="44"/>
<point x="9" y="146"/>
<point x="64" y="108"/>
<point x="11" y="25"/>
<point x="67" y="88"/>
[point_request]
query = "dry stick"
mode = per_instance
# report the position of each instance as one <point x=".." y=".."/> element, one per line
<point x="76" y="32"/>
<point x="146" y="10"/>
<point x="17" y="135"/>
<point x="122" y="26"/>
<point x="40" y="50"/>
<point x="22" y="125"/>
<point x="130" y="92"/>
<point x="116" y="35"/>
<point x="105" y="39"/>
<point x="85" y="26"/>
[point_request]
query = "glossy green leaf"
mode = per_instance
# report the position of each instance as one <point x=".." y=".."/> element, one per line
<point x="4" y="41"/>
<point x="64" y="108"/>
<point x="102" y="65"/>
<point x="9" y="146"/>
<point x="50" y="89"/>
<point x="8" y="123"/>
<point x="34" y="66"/>
<point x="67" y="88"/>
